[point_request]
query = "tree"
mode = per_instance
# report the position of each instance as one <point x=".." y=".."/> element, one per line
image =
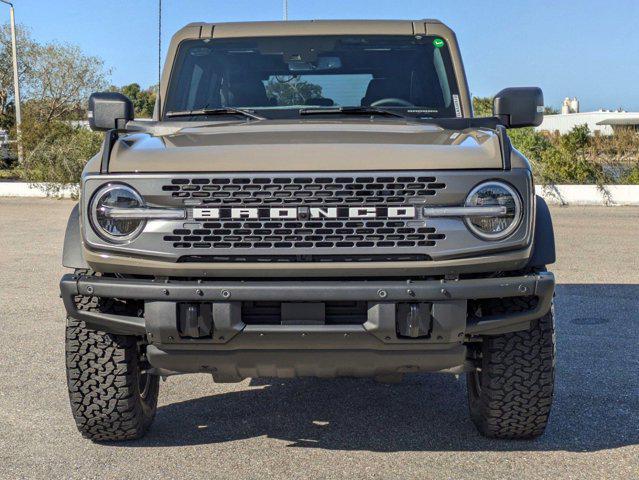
<point x="293" y="91"/>
<point x="143" y="100"/>
<point x="56" y="79"/>
<point x="27" y="49"/>
<point x="59" y="155"/>
<point x="61" y="80"/>
<point x="483" y="106"/>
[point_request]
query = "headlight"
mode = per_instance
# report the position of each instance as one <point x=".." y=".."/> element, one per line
<point x="109" y="226"/>
<point x="494" y="194"/>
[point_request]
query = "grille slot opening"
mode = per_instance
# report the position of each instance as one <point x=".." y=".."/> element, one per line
<point x="335" y="313"/>
<point x="299" y="258"/>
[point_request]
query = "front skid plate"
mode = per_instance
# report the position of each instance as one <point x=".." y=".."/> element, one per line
<point x="228" y="366"/>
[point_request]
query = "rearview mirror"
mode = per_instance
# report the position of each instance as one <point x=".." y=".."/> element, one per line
<point x="518" y="107"/>
<point x="109" y="110"/>
<point x="322" y="64"/>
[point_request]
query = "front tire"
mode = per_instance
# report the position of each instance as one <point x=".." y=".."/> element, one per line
<point x="511" y="393"/>
<point x="112" y="399"/>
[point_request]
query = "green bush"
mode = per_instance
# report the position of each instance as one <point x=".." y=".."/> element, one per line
<point x="631" y="176"/>
<point x="529" y="142"/>
<point x="562" y="158"/>
<point x="563" y="166"/>
<point x="58" y="157"/>
<point x="576" y="157"/>
<point x="576" y="140"/>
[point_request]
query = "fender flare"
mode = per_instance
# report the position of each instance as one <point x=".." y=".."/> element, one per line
<point x="543" y="252"/>
<point x="72" y="251"/>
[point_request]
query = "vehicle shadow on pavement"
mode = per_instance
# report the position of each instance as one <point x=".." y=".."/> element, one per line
<point x="596" y="401"/>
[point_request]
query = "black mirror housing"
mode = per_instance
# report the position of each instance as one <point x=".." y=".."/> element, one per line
<point x="109" y="111"/>
<point x="518" y="107"/>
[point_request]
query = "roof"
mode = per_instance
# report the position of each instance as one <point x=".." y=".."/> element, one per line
<point x="313" y="27"/>
<point x="620" y="121"/>
<point x="317" y="28"/>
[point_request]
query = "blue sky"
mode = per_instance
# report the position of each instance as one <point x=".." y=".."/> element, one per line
<point x="588" y="48"/>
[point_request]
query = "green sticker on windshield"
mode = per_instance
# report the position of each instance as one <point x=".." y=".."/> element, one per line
<point x="438" y="42"/>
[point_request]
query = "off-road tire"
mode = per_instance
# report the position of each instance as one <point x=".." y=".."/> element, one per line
<point x="111" y="399"/>
<point x="510" y="396"/>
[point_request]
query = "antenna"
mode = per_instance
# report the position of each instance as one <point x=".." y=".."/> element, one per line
<point x="285" y="9"/>
<point x="159" y="53"/>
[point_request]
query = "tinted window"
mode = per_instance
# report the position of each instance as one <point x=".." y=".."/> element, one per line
<point x="287" y="73"/>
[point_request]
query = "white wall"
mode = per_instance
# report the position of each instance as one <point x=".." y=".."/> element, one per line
<point x="566" y="122"/>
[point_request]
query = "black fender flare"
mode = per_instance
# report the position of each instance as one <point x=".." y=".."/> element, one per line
<point x="72" y="251"/>
<point x="543" y="252"/>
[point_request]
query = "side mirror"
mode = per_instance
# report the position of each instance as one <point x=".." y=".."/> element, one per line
<point x="109" y="110"/>
<point x="519" y="107"/>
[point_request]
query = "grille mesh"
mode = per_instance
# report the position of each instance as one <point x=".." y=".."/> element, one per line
<point x="307" y="190"/>
<point x="309" y="234"/>
<point x="342" y="236"/>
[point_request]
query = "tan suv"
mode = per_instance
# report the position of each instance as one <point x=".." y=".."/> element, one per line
<point x="311" y="199"/>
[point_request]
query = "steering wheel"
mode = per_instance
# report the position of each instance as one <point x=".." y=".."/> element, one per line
<point x="390" y="101"/>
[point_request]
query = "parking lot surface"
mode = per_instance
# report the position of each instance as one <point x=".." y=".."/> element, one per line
<point x="346" y="428"/>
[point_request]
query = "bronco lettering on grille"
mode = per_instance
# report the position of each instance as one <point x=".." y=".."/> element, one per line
<point x="301" y="213"/>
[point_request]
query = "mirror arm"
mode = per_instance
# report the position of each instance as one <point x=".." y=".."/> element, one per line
<point x="506" y="146"/>
<point x="503" y="120"/>
<point x="110" y="137"/>
<point x="120" y="124"/>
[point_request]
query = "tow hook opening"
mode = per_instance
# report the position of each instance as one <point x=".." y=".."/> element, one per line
<point x="195" y="320"/>
<point x="414" y="320"/>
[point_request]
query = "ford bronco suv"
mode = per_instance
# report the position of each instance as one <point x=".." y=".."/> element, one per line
<point x="311" y="198"/>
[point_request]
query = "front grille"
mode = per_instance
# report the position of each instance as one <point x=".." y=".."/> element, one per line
<point x="319" y="238"/>
<point x="314" y="190"/>
<point x="304" y="234"/>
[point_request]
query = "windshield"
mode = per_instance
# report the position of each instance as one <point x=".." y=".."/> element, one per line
<point x="412" y="74"/>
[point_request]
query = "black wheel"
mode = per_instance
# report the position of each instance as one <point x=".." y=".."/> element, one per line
<point x="112" y="398"/>
<point x="510" y="394"/>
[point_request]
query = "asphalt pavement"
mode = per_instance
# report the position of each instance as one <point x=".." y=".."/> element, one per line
<point x="346" y="428"/>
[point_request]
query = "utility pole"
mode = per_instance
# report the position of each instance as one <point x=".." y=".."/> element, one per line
<point x="285" y="9"/>
<point x="16" y="81"/>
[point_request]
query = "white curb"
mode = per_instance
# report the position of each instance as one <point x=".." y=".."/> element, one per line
<point x="553" y="194"/>
<point x="589" y="194"/>
<point x="24" y="189"/>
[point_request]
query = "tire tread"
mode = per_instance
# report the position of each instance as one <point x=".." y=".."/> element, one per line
<point x="102" y="379"/>
<point x="517" y="379"/>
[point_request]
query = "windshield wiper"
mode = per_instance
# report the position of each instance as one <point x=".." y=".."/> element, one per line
<point x="350" y="111"/>
<point x="214" y="111"/>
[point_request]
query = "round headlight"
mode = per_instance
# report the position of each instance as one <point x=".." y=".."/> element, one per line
<point x="108" y="225"/>
<point x="496" y="226"/>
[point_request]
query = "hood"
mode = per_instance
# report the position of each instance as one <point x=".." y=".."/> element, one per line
<point x="306" y="146"/>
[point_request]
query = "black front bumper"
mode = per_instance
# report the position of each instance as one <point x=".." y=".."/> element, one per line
<point x="237" y="350"/>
